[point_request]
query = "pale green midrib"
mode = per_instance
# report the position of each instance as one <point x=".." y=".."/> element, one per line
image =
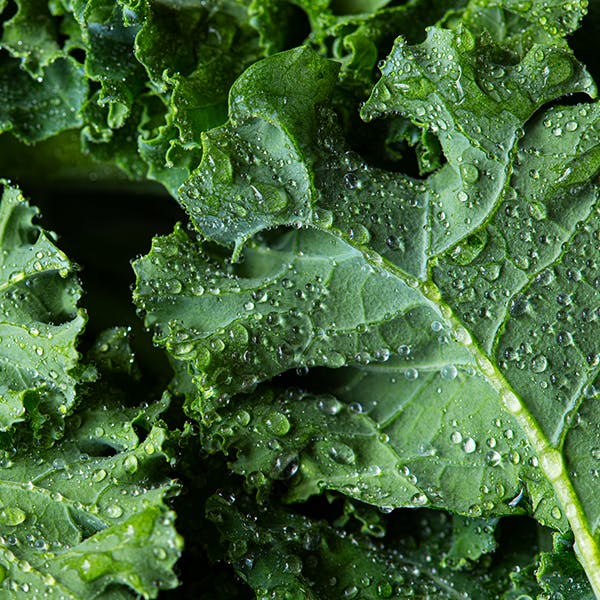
<point x="7" y="285"/>
<point x="551" y="461"/>
<point x="47" y="493"/>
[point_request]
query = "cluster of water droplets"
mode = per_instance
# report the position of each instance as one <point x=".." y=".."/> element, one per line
<point x="49" y="505"/>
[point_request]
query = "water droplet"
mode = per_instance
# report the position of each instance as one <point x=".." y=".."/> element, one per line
<point x="493" y="458"/>
<point x="395" y="242"/>
<point x="278" y="423"/>
<point x="99" y="475"/>
<point x="470" y="172"/>
<point x="285" y="466"/>
<point x="12" y="516"/>
<point x="356" y="407"/>
<point x="342" y="454"/>
<point x="420" y="499"/>
<point x="539" y="363"/>
<point x="59" y="463"/>
<point x="491" y="271"/>
<point x="131" y="464"/>
<point x="564" y="338"/>
<point x="351" y="180"/>
<point x="411" y="374"/>
<point x="519" y="306"/>
<point x="470" y="445"/>
<point x="449" y="372"/>
<point x="360" y="234"/>
<point x="436" y="326"/>
<point x="374" y="471"/>
<point x="173" y="286"/>
<point x="329" y="405"/>
<point x="114" y="511"/>
<point x="545" y="278"/>
<point x="403" y="350"/>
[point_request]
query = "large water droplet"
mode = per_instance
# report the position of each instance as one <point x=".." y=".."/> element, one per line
<point x="12" y="516"/>
<point x="342" y="454"/>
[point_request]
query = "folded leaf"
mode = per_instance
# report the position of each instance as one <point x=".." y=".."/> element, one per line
<point x="387" y="452"/>
<point x="35" y="109"/>
<point x="282" y="554"/>
<point x="40" y="320"/>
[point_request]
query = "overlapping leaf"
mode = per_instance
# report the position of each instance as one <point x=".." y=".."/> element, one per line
<point x="502" y="237"/>
<point x="389" y="455"/>
<point x="87" y="517"/>
<point x="282" y="554"/>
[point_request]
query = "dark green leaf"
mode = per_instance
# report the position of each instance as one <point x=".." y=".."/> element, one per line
<point x="35" y="109"/>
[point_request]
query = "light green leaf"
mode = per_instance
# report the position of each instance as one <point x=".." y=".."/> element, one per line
<point x="40" y="319"/>
<point x="87" y="519"/>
